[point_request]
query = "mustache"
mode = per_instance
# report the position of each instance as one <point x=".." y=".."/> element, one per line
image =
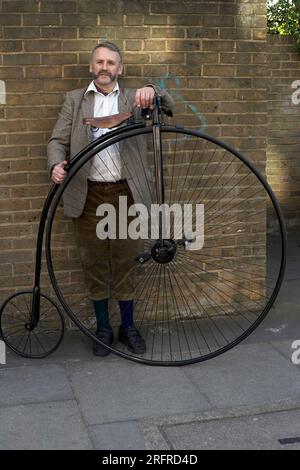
<point x="106" y="74"/>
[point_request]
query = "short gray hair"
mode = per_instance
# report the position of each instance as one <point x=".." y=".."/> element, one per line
<point x="109" y="45"/>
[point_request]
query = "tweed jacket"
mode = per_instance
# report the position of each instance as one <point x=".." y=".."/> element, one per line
<point x="70" y="136"/>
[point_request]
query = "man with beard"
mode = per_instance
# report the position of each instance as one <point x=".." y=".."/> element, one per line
<point x="108" y="265"/>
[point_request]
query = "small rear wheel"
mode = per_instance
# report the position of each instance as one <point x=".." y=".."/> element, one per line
<point x="26" y="336"/>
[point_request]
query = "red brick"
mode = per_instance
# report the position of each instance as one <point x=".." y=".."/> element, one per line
<point x="62" y="58"/>
<point x="59" y="32"/>
<point x="251" y="70"/>
<point x="40" y="125"/>
<point x="207" y="33"/>
<point x="134" y="58"/>
<point x="20" y="6"/>
<point x="184" y="7"/>
<point x="27" y="86"/>
<point x="219" y="70"/>
<point x="154" y="45"/>
<point x="24" y="138"/>
<point x="12" y="126"/>
<point x="167" y="57"/>
<point x="45" y="45"/>
<point x="79" y="45"/>
<point x="86" y="19"/>
<point x="11" y="72"/>
<point x="133" y="45"/>
<point x="198" y="58"/>
<point x="76" y="71"/>
<point x="133" y="70"/>
<point x="183" y="70"/>
<point x="9" y="205"/>
<point x="27" y="191"/>
<point x="236" y="33"/>
<point x="10" y="179"/>
<point x="235" y="58"/>
<point x="21" y="59"/>
<point x="168" y="33"/>
<point x="111" y="20"/>
<point x="14" y="19"/>
<point x="259" y="34"/>
<point x="10" y="46"/>
<point x="12" y="152"/>
<point x="49" y="6"/>
<point x="154" y="70"/>
<point x="155" y="19"/>
<point x="217" y="45"/>
<point x="219" y="20"/>
<point x="43" y="72"/>
<point x="184" y="45"/>
<point x="45" y="19"/>
<point x="98" y="32"/>
<point x="186" y="20"/>
<point x="134" y="20"/>
<point x="17" y="33"/>
<point x="60" y="85"/>
<point x="131" y="33"/>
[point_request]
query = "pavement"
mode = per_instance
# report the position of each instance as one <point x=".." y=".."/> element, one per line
<point x="247" y="398"/>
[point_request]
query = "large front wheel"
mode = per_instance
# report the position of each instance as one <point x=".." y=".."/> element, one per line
<point x="218" y="270"/>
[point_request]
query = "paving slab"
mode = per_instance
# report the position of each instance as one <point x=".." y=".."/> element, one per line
<point x="75" y="347"/>
<point x="120" y="391"/>
<point x="52" y="426"/>
<point x="280" y="324"/>
<point x="125" y="435"/>
<point x="285" y="348"/>
<point x="274" y="431"/>
<point x="251" y="374"/>
<point x="30" y="384"/>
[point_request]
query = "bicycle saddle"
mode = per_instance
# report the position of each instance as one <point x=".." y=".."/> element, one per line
<point x="107" y="122"/>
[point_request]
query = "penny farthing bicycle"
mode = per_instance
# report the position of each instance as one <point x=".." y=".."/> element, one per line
<point x="200" y="290"/>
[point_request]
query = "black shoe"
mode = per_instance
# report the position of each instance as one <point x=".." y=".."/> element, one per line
<point x="107" y="337"/>
<point x="133" y="339"/>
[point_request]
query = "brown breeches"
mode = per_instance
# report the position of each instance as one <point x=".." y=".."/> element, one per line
<point x="108" y="265"/>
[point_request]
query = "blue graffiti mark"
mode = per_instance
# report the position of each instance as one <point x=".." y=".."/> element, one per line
<point x="162" y="84"/>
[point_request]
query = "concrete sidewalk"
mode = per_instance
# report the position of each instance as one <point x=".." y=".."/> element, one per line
<point x="247" y="398"/>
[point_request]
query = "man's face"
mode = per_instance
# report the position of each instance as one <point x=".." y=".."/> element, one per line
<point x="105" y="67"/>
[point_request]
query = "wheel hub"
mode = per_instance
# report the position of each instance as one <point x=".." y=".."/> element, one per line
<point x="165" y="253"/>
<point x="29" y="326"/>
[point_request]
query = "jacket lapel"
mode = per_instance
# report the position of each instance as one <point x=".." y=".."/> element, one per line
<point x="88" y="104"/>
<point x="123" y="103"/>
<point x="87" y="108"/>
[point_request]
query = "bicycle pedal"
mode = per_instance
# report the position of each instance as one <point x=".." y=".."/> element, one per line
<point x="143" y="257"/>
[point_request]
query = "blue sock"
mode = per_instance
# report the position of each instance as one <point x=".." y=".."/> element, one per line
<point x="126" y="308"/>
<point x="101" y="312"/>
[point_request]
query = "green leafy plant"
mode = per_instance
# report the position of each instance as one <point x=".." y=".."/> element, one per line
<point x="283" y="17"/>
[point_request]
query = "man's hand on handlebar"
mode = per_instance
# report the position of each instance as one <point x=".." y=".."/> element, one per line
<point x="144" y="97"/>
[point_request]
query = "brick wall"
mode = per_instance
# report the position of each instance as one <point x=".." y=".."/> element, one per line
<point x="283" y="149"/>
<point x="211" y="55"/>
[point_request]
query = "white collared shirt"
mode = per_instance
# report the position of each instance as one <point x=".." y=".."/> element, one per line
<point x="105" y="165"/>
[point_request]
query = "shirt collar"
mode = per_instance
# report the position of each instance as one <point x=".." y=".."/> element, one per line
<point x="93" y="88"/>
